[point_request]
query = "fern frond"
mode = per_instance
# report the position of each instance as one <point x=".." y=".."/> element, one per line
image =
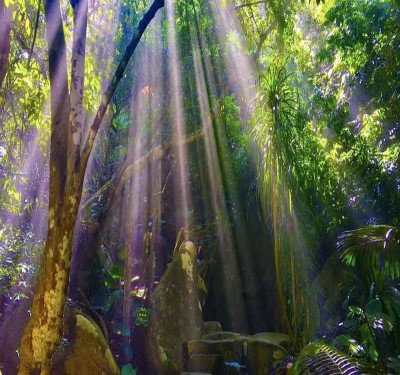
<point x="374" y="247"/>
<point x="320" y="358"/>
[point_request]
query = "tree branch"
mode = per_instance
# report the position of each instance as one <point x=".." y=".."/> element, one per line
<point x="60" y="104"/>
<point x="154" y="154"/>
<point x="270" y="28"/>
<point x="80" y="9"/>
<point x="34" y="34"/>
<point x="157" y="4"/>
<point x="20" y="40"/>
<point x="238" y="7"/>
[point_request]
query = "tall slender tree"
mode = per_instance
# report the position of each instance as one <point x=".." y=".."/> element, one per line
<point x="68" y="161"/>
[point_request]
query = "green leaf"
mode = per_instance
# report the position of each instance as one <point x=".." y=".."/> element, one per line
<point x="356" y="310"/>
<point x="122" y="254"/>
<point x="8" y="3"/>
<point x="128" y="370"/>
<point x="374" y="306"/>
<point x="342" y="340"/>
<point x="117" y="271"/>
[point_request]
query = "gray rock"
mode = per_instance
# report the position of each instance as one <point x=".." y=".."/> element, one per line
<point x="230" y="350"/>
<point x="205" y="363"/>
<point x="211" y="326"/>
<point x="176" y="315"/>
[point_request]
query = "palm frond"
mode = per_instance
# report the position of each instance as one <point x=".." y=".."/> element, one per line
<point x="373" y="247"/>
<point x="320" y="358"/>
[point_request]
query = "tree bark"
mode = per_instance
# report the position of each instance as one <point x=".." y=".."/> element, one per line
<point x="67" y="170"/>
<point x="5" y="29"/>
<point x="77" y="81"/>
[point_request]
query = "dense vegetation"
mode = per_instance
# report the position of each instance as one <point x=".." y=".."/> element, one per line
<point x="265" y="133"/>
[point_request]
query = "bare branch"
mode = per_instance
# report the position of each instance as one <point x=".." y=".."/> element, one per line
<point x="157" y="4"/>
<point x="34" y="34"/>
<point x="20" y="40"/>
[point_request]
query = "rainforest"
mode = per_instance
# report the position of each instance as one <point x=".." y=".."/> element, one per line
<point x="199" y="187"/>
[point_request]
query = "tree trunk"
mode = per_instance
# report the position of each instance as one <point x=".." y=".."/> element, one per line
<point x="5" y="29"/>
<point x="67" y="170"/>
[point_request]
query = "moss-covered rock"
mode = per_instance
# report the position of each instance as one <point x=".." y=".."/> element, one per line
<point x="87" y="353"/>
<point x="176" y="315"/>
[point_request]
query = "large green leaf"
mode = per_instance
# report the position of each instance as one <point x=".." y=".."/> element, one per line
<point x="374" y="248"/>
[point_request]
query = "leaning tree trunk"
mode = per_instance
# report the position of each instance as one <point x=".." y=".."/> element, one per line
<point x="67" y="170"/>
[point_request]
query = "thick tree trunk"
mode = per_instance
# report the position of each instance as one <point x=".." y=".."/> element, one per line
<point x="67" y="170"/>
<point x="5" y="29"/>
<point x="44" y="329"/>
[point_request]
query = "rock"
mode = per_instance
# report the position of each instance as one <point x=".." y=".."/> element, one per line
<point x="274" y="338"/>
<point x="263" y="350"/>
<point x="87" y="353"/>
<point x="211" y="326"/>
<point x="209" y="363"/>
<point x="176" y="315"/>
<point x="223" y="336"/>
<point x="230" y="350"/>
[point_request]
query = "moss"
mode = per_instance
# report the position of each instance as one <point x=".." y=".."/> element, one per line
<point x="51" y="218"/>
<point x="89" y="352"/>
<point x="187" y="265"/>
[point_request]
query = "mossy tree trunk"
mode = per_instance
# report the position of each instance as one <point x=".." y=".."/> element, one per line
<point x="68" y="161"/>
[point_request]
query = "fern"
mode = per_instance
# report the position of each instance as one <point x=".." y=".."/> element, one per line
<point x="373" y="247"/>
<point x="320" y="358"/>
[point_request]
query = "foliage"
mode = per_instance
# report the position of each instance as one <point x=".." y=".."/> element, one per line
<point x="355" y="115"/>
<point x="371" y="328"/>
<point x="374" y="249"/>
<point x="278" y="126"/>
<point x="20" y="253"/>
<point x="321" y="358"/>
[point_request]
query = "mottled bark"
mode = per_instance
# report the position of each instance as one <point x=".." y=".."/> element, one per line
<point x="5" y="29"/>
<point x="77" y="81"/>
<point x="67" y="170"/>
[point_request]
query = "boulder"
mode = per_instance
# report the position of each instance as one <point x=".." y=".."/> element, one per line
<point x="230" y="349"/>
<point x="205" y="363"/>
<point x="87" y="352"/>
<point x="176" y="315"/>
<point x="211" y="326"/>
